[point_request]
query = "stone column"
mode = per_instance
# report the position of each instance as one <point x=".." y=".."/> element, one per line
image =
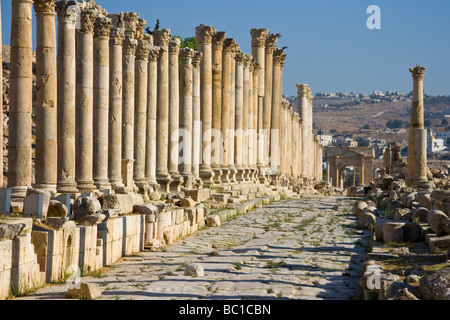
<point x="227" y="134"/>
<point x="174" y="114"/>
<point x="186" y="56"/>
<point x="66" y="86"/>
<point x="245" y="115"/>
<point x="249" y="133"/>
<point x="21" y="95"/>
<point x="416" y="161"/>
<point x="268" y="84"/>
<point x="256" y="111"/>
<point x="162" y="38"/>
<point x="232" y="124"/>
<point x="140" y="112"/>
<point x="310" y="136"/>
<point x="102" y="30"/>
<point x="217" y="143"/>
<point x="204" y="38"/>
<point x="150" y="154"/>
<point x="196" y="118"/>
<point x="84" y="102"/>
<point x="303" y="94"/>
<point x="239" y="121"/>
<point x="278" y="58"/>
<point x="46" y="96"/>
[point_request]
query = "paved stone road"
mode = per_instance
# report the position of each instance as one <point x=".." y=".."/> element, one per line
<point x="307" y="248"/>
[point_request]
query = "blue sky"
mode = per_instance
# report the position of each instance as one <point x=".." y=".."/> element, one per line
<point x="329" y="45"/>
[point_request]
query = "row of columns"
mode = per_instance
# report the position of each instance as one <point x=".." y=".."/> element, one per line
<point x="120" y="109"/>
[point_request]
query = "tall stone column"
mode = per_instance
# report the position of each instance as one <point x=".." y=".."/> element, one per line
<point x="84" y="102"/>
<point x="196" y="118"/>
<point x="66" y="87"/>
<point x="204" y="38"/>
<point x="140" y="112"/>
<point x="162" y="38"/>
<point x="102" y="30"/>
<point x="245" y="115"/>
<point x="227" y="134"/>
<point x="150" y="154"/>
<point x="117" y="36"/>
<point x="186" y="118"/>
<point x="256" y="75"/>
<point x="416" y="160"/>
<point x="174" y="114"/>
<point x="239" y="120"/>
<point x="46" y="96"/>
<point x="303" y="107"/>
<point x="259" y="37"/>
<point x="21" y="94"/>
<point x="309" y="124"/>
<point x="268" y="89"/>
<point x="249" y="133"/>
<point x="232" y="124"/>
<point x="216" y="153"/>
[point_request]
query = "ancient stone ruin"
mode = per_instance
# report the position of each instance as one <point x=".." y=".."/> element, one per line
<point x="136" y="139"/>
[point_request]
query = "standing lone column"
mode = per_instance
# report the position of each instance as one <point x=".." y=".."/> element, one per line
<point x="303" y="94"/>
<point x="140" y="112"/>
<point x="66" y="86"/>
<point x="417" y="159"/>
<point x="256" y="112"/>
<point x="186" y="55"/>
<point x="150" y="154"/>
<point x="84" y="102"/>
<point x="162" y="37"/>
<point x="217" y="48"/>
<point x="21" y="95"/>
<point x="174" y="114"/>
<point x="115" y="108"/>
<point x="204" y="37"/>
<point x="239" y="121"/>
<point x="196" y="118"/>
<point x="46" y="96"/>
<point x="102" y="29"/>
<point x="310" y="136"/>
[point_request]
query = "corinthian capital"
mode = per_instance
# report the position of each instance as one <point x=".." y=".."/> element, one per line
<point x="272" y="38"/>
<point x="161" y="37"/>
<point x="198" y="56"/>
<point x="44" y="6"/>
<point x="116" y="36"/>
<point x="229" y="44"/>
<point x="204" y="33"/>
<point x="66" y="11"/>
<point x="303" y="90"/>
<point x="259" y="37"/>
<point x="154" y="53"/>
<point x="186" y="54"/>
<point x="218" y="39"/>
<point x="279" y="56"/>
<point x="418" y="72"/>
<point x="240" y="57"/>
<point x="140" y="28"/>
<point x="129" y="46"/>
<point x="174" y="46"/>
<point x="128" y="20"/>
<point x="87" y="18"/>
<point x="102" y="27"/>
<point x="142" y="50"/>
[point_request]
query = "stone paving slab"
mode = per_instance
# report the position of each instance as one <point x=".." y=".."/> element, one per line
<point x="308" y="248"/>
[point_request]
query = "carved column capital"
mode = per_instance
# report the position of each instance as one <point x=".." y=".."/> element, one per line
<point x="44" y="6"/>
<point x="117" y="36"/>
<point x="128" y="21"/>
<point x="218" y="40"/>
<point x="154" y="53"/>
<point x="204" y="34"/>
<point x="240" y="57"/>
<point x="66" y="11"/>
<point x="278" y="56"/>
<point x="140" y="28"/>
<point x="229" y="44"/>
<point x="161" y="37"/>
<point x="87" y="18"/>
<point x="186" y="54"/>
<point x="129" y="46"/>
<point x="418" y="72"/>
<point x="272" y="38"/>
<point x="142" y="50"/>
<point x="174" y="46"/>
<point x="259" y="37"/>
<point x="303" y="90"/>
<point x="102" y="27"/>
<point x="198" y="56"/>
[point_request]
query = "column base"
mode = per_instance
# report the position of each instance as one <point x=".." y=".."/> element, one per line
<point x="102" y="184"/>
<point x="188" y="180"/>
<point x="225" y="179"/>
<point x="18" y="193"/>
<point x="232" y="177"/>
<point x="85" y="186"/>
<point x="164" y="180"/>
<point x="207" y="176"/>
<point x="240" y="175"/>
<point x="177" y="181"/>
<point x="117" y="185"/>
<point x="217" y="179"/>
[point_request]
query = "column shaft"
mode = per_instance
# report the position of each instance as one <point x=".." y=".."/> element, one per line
<point x="196" y="118"/>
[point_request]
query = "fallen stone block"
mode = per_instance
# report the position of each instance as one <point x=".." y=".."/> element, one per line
<point x="187" y="203"/>
<point x="85" y="290"/>
<point x="85" y="206"/>
<point x="194" y="270"/>
<point x="438" y="222"/>
<point x="213" y="221"/>
<point x="57" y="209"/>
<point x="393" y="232"/>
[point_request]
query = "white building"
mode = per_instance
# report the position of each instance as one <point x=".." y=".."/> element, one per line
<point x="445" y="135"/>
<point x="325" y="139"/>
<point x="435" y="145"/>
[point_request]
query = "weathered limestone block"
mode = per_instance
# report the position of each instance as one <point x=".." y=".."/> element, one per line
<point x="146" y="209"/>
<point x="438" y="222"/>
<point x="393" y="232"/>
<point x="367" y="220"/>
<point x="10" y="231"/>
<point x="421" y="214"/>
<point x="168" y="235"/>
<point x="194" y="270"/>
<point x="84" y="206"/>
<point x="36" y="203"/>
<point x="200" y="195"/>
<point x="358" y="207"/>
<point x="213" y="221"/>
<point x="109" y="201"/>
<point x="379" y="225"/>
<point x="89" y="291"/>
<point x="57" y="209"/>
<point x="424" y="199"/>
<point x="435" y="285"/>
<point x="187" y="203"/>
<point x="408" y="199"/>
<point x="412" y="232"/>
<point x="56" y="223"/>
<point x="402" y="214"/>
<point x="93" y="219"/>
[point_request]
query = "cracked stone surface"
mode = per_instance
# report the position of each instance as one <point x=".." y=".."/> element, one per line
<point x="308" y="249"/>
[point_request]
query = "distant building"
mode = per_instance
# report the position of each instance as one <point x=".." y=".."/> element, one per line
<point x="445" y="136"/>
<point x="435" y="144"/>
<point x="325" y="139"/>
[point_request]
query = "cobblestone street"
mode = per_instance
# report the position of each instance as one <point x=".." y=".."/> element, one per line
<point x="309" y="249"/>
